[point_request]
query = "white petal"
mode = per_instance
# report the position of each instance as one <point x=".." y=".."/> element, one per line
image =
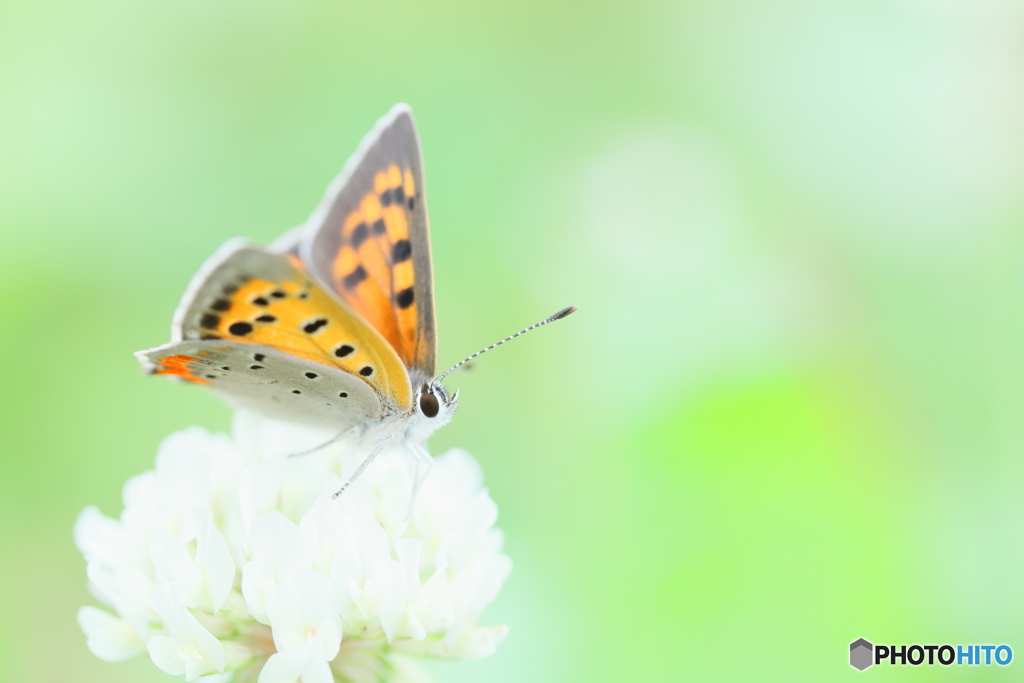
<point x="277" y="547"/>
<point x="165" y="653"/>
<point x="465" y="588"/>
<point x="364" y="552"/>
<point x="300" y="611"/>
<point x="103" y="582"/>
<point x="479" y="642"/>
<point x="259" y="490"/>
<point x="435" y="609"/>
<point x="199" y="650"/>
<point x="183" y="465"/>
<point x="137" y="492"/>
<point x="256" y="588"/>
<point x="195" y="666"/>
<point x="108" y="637"/>
<point x="134" y="581"/>
<point x="462" y="473"/>
<point x="408" y="551"/>
<point x="351" y="609"/>
<point x="388" y="597"/>
<point x="281" y="668"/>
<point x="213" y="560"/>
<point x="323" y="527"/>
<point x="97" y="535"/>
<point x="317" y="671"/>
<point x="172" y="562"/>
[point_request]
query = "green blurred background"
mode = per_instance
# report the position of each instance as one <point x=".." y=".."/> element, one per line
<point x="788" y="413"/>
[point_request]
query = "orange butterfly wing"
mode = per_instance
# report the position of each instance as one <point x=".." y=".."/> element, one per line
<point x="369" y="241"/>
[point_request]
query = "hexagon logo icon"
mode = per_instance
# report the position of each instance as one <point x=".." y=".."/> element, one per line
<point x="861" y="652"/>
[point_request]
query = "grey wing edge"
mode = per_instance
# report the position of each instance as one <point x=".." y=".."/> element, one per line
<point x="230" y="266"/>
<point x="200" y="284"/>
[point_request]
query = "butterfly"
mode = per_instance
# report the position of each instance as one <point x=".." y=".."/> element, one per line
<point x="334" y="323"/>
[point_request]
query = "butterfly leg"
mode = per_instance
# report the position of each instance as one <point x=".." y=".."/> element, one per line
<point x="359" y="470"/>
<point x="421" y="455"/>
<point x="323" y="445"/>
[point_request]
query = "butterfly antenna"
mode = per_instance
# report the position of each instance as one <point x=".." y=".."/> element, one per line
<point x="557" y="316"/>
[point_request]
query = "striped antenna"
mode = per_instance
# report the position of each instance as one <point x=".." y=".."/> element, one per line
<point x="557" y="316"/>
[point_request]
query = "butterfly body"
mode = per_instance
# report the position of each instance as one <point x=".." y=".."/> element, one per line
<point x="334" y="324"/>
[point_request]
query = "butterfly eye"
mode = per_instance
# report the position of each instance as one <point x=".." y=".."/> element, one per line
<point x="429" y="405"/>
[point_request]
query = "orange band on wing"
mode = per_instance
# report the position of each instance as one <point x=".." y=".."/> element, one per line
<point x="178" y="366"/>
<point x="373" y="269"/>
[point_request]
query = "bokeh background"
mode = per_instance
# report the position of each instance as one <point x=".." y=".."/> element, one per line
<point x="788" y="413"/>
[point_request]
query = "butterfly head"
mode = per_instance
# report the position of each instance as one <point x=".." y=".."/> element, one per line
<point x="433" y="401"/>
<point x="434" y="409"/>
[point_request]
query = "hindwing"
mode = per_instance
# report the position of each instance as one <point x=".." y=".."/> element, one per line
<point x="245" y="295"/>
<point x="278" y="384"/>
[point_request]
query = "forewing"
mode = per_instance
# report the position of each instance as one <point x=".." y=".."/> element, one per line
<point x="259" y="377"/>
<point x="249" y="296"/>
<point x="369" y="240"/>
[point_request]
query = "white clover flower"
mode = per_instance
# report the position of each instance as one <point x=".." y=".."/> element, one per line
<point x="232" y="561"/>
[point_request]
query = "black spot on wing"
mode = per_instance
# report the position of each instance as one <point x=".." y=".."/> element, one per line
<point x="401" y="251"/>
<point x="314" y="326"/>
<point x="344" y="350"/>
<point x="240" y="329"/>
<point x="366" y="371"/>
<point x="260" y="301"/>
<point x="378" y="227"/>
<point x="386" y="198"/>
<point x="359" y="235"/>
<point x="209" y="321"/>
<point x="221" y="305"/>
<point x="255" y="367"/>
<point x="312" y="375"/>
<point x="352" y="280"/>
<point x="405" y="298"/>
<point x="266" y="319"/>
